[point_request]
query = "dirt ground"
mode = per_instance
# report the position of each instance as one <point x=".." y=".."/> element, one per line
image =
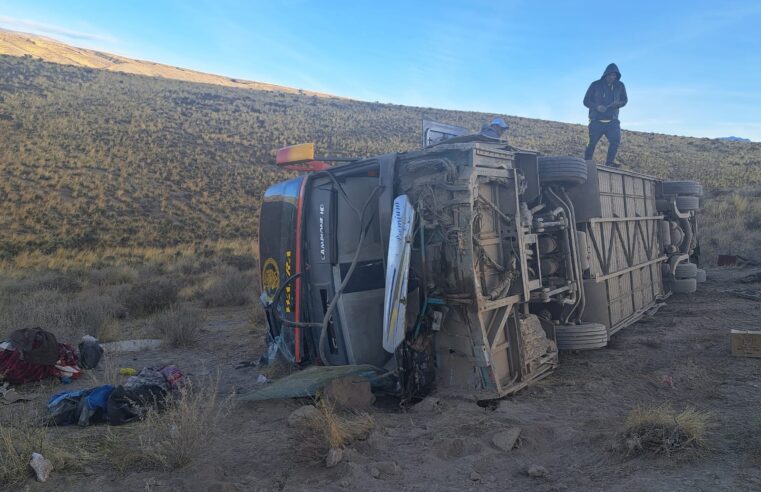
<point x="570" y="421"/>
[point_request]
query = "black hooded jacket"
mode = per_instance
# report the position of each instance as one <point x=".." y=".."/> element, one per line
<point x="612" y="96"/>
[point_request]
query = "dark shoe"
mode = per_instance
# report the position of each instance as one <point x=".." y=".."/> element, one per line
<point x="613" y="164"/>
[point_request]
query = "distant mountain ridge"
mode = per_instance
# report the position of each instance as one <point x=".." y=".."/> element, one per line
<point x="24" y="44"/>
<point x="734" y="139"/>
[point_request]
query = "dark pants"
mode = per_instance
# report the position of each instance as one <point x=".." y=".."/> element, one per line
<point x="612" y="131"/>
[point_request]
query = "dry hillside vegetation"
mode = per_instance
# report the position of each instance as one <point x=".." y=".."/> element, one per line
<point x="92" y="158"/>
<point x="731" y="223"/>
<point x="47" y="49"/>
<point x="127" y="293"/>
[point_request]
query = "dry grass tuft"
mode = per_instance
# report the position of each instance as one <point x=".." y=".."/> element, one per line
<point x="108" y="331"/>
<point x="22" y="434"/>
<point x="660" y="430"/>
<point x="107" y="372"/>
<point x="172" y="438"/>
<point x="329" y="429"/>
<point x="257" y="315"/>
<point x="179" y="325"/>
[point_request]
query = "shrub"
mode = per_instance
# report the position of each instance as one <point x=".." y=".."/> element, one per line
<point x="178" y="325"/>
<point x="150" y="296"/>
<point x="242" y="262"/>
<point x="189" y="265"/>
<point x="229" y="287"/>
<point x="329" y="429"/>
<point x="659" y="430"/>
<point x="90" y="315"/>
<point x="67" y="319"/>
<point x="36" y="281"/>
<point x="112" y="276"/>
<point x="44" y="309"/>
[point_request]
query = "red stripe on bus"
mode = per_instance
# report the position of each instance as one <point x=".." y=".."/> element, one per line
<point x="297" y="295"/>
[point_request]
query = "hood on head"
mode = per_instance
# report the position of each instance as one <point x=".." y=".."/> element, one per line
<point x="612" y="68"/>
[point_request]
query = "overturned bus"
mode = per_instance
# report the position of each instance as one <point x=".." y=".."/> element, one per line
<point x="467" y="265"/>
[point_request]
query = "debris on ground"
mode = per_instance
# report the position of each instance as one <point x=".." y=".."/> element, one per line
<point x="13" y="396"/>
<point x="349" y="393"/>
<point x="745" y="343"/>
<point x="507" y="439"/>
<point x="149" y="388"/>
<point x="475" y="476"/>
<point x="309" y="381"/>
<point x="726" y="260"/>
<point x="9" y="395"/>
<point x="33" y="354"/>
<point x="41" y="466"/>
<point x="246" y="364"/>
<point x="80" y="407"/>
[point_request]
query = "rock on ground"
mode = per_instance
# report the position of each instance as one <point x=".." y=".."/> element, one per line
<point x="506" y="440"/>
<point x="535" y="471"/>
<point x="41" y="466"/>
<point x="349" y="393"/>
<point x="384" y="468"/>
<point x="335" y="455"/>
<point x="303" y="415"/>
<point x="429" y="404"/>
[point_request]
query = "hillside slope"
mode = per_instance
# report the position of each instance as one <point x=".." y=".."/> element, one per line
<point x="91" y="157"/>
<point x="46" y="49"/>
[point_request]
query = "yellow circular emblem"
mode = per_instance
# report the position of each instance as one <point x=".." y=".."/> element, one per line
<point x="270" y="277"/>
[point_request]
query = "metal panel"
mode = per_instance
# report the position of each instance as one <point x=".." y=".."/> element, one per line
<point x="626" y="247"/>
<point x="480" y="348"/>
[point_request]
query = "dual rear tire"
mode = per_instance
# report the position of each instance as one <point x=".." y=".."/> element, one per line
<point x="585" y="336"/>
<point x="570" y="171"/>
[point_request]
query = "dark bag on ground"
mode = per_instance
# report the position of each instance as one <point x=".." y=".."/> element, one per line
<point x="90" y="352"/>
<point x="36" y="345"/>
<point x="127" y="405"/>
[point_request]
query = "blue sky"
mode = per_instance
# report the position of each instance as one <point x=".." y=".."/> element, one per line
<point x="690" y="67"/>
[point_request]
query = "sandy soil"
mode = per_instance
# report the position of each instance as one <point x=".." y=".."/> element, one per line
<point x="570" y="421"/>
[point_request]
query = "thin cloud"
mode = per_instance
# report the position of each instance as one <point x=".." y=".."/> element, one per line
<point x="39" y="27"/>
